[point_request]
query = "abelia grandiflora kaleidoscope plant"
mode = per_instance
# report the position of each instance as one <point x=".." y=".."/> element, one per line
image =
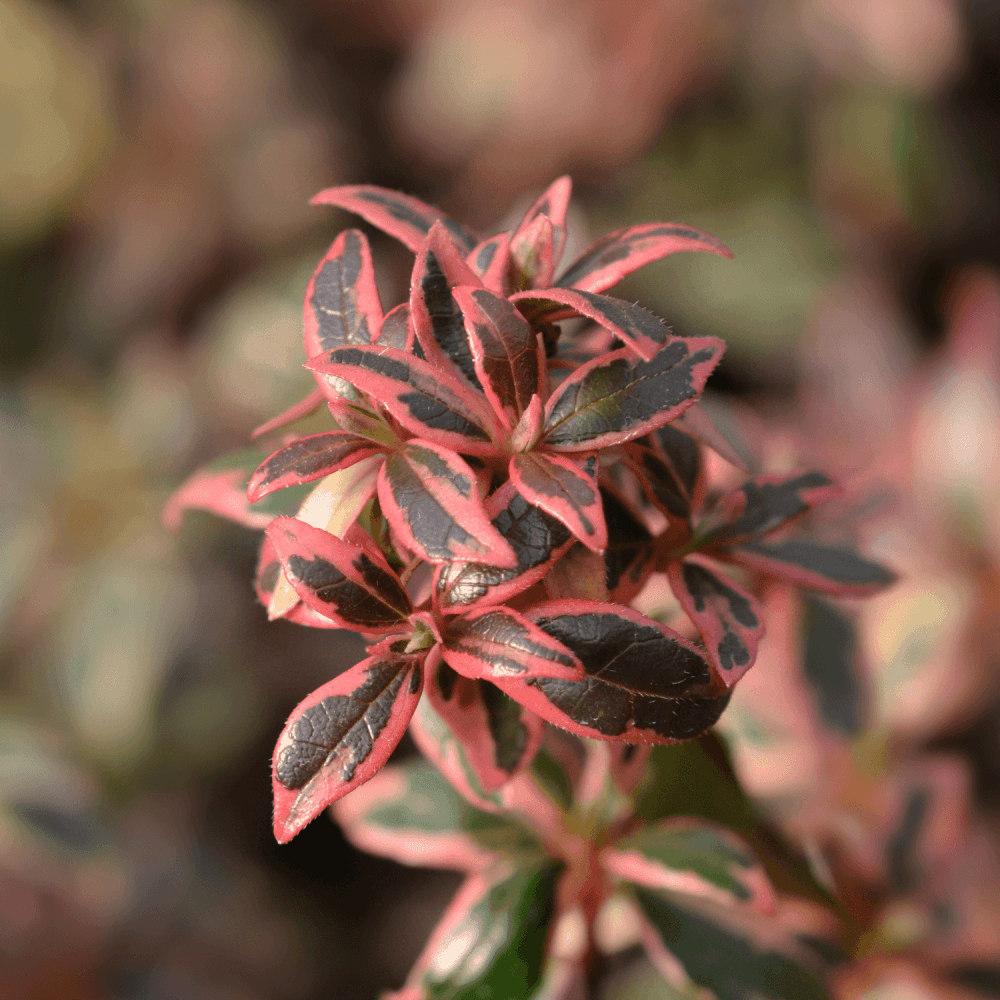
<point x="492" y="495"/>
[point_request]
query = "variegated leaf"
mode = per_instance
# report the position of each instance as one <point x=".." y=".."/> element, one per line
<point x="342" y="305"/>
<point x="437" y="319"/>
<point x="614" y="398"/>
<point x="605" y="262"/>
<point x="537" y="539"/>
<point x="766" y="503"/>
<point x="491" y="262"/>
<point x="566" y="489"/>
<point x="409" y="812"/>
<point x="500" y="642"/>
<point x="726" y="959"/>
<point x="728" y="618"/>
<point x="505" y="351"/>
<point x="431" y="499"/>
<point x="636" y="326"/>
<point x="495" y="736"/>
<point x="340" y="736"/>
<point x="267" y="578"/>
<point x="532" y="255"/>
<point x="307" y="459"/>
<point x="425" y="400"/>
<point x="491" y="941"/>
<point x="829" y="569"/>
<point x="396" y="330"/>
<point x="554" y="203"/>
<point x="346" y="583"/>
<point x="644" y="684"/>
<point x="407" y="219"/>
<point x="695" y="857"/>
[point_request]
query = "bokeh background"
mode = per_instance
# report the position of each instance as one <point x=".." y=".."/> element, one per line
<point x="156" y="158"/>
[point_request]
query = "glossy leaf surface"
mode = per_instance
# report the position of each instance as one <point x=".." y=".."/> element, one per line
<point x="431" y="498"/>
<point x="614" y="398"/>
<point x="505" y="350"/>
<point x="491" y="261"/>
<point x="644" y="684"/>
<point x="307" y="459"/>
<point x="725" y="961"/>
<point x="352" y="586"/>
<point x="491" y="941"/>
<point x="566" y="489"/>
<point x="495" y="737"/>
<point x="406" y="218"/>
<point x="606" y="261"/>
<point x="692" y="856"/>
<point x="340" y="736"/>
<point x="396" y="330"/>
<point x="424" y="399"/>
<point x="728" y="618"/>
<point x="638" y="327"/>
<point x="437" y="319"/>
<point x="499" y="642"/>
<point x="827" y="568"/>
<point x="537" y="539"/>
<point x="342" y="305"/>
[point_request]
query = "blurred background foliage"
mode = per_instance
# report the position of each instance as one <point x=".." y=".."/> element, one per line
<point x="156" y="159"/>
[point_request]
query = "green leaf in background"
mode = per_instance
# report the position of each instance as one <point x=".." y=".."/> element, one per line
<point x="724" y="961"/>
<point x="495" y="950"/>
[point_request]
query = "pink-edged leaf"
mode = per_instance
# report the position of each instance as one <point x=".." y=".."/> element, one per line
<point x="644" y="684"/>
<point x="605" y="262"/>
<point x="496" y="737"/>
<point x="266" y="579"/>
<point x="437" y="319"/>
<point x="532" y="255"/>
<point x="409" y="813"/>
<point x="340" y="736"/>
<point x="307" y="459"/>
<point x="361" y="422"/>
<point x="829" y="569"/>
<point x="430" y="497"/>
<point x="727" y="617"/>
<point x="566" y="489"/>
<point x="695" y="857"/>
<point x="297" y="411"/>
<point x="492" y="941"/>
<point x="529" y="428"/>
<point x="491" y="261"/>
<point x="537" y="539"/>
<point x="346" y="583"/>
<point x="554" y="203"/>
<point x="407" y="219"/>
<point x="221" y="489"/>
<point x="614" y="398"/>
<point x="638" y="327"/>
<point x="682" y="453"/>
<point x="499" y="642"/>
<point x="698" y="422"/>
<point x="342" y="305"/>
<point x="505" y="351"/>
<point x="766" y="503"/>
<point x="661" y="484"/>
<point x="219" y="492"/>
<point x="631" y="555"/>
<point x="396" y="330"/>
<point x="425" y="400"/>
